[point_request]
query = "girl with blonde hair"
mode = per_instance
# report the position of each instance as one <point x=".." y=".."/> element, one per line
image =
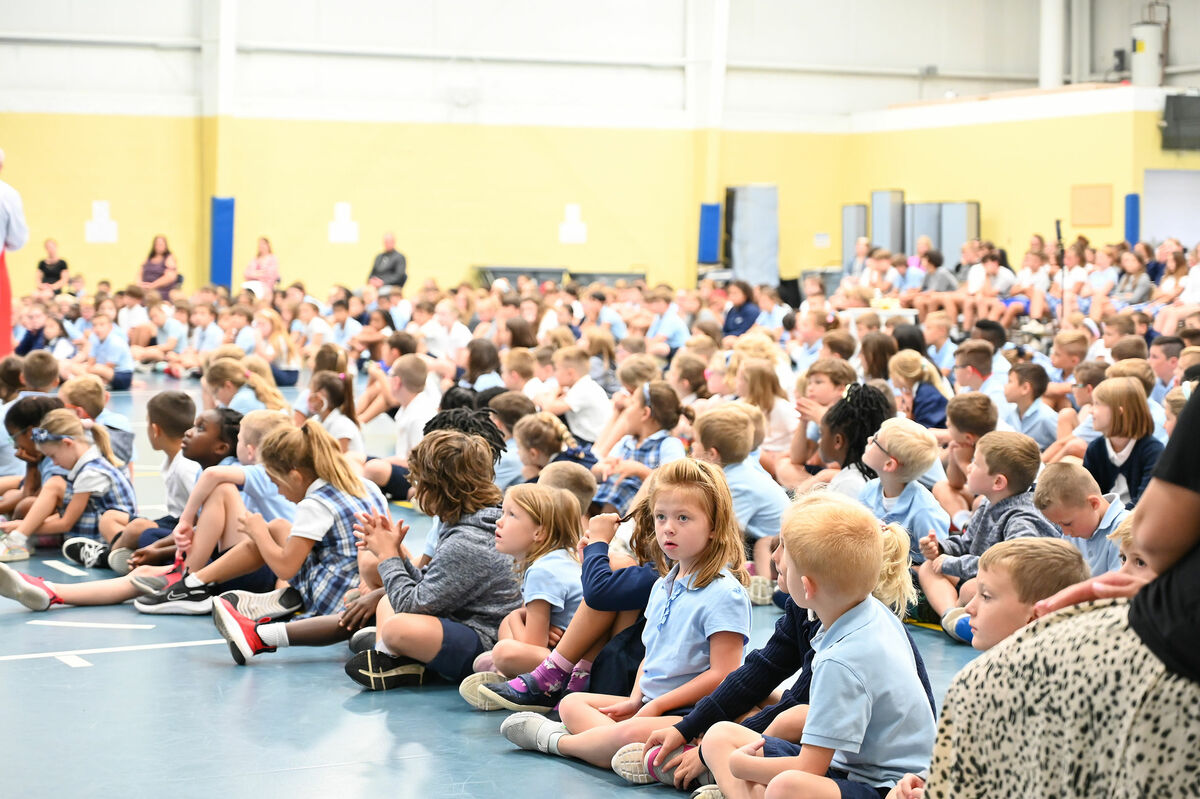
<point x="922" y="388"/>
<point x="277" y="347"/>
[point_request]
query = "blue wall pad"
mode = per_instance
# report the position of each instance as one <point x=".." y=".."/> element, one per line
<point x="710" y="234"/>
<point x="1133" y="218"/>
<point x="220" y="265"/>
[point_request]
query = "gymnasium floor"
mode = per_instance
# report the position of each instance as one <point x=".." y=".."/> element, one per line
<point x="123" y="702"/>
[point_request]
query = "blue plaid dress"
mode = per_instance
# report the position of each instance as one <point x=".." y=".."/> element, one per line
<point x="119" y="496"/>
<point x="619" y="493"/>
<point x="331" y="568"/>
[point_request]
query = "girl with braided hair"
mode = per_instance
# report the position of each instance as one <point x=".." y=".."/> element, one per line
<point x="845" y="428"/>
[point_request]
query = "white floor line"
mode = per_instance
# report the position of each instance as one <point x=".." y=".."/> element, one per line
<point x="74" y="661"/>
<point x="65" y="568"/>
<point x="108" y="649"/>
<point x="95" y="625"/>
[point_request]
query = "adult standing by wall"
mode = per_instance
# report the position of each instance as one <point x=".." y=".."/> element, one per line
<point x="13" y="233"/>
<point x="390" y="267"/>
<point x="160" y="272"/>
<point x="52" y="271"/>
<point x="262" y="273"/>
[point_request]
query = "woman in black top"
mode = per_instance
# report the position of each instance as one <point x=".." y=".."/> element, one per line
<point x="52" y="270"/>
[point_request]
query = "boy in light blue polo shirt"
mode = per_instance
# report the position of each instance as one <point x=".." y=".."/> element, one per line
<point x="973" y="372"/>
<point x="900" y="453"/>
<point x="1069" y="496"/>
<point x="667" y="332"/>
<point x="866" y="700"/>
<point x="241" y="321"/>
<point x="723" y="437"/>
<point x="506" y="410"/>
<point x="109" y="356"/>
<point x="1026" y="384"/>
<point x="345" y="327"/>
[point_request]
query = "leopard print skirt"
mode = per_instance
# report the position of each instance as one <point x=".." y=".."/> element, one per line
<point x="1073" y="705"/>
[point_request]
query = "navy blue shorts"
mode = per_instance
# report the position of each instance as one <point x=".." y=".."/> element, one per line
<point x="397" y="486"/>
<point x="121" y="381"/>
<point x="285" y="378"/>
<point x="460" y="647"/>
<point x="778" y="747"/>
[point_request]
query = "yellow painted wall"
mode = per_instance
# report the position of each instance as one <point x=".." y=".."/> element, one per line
<point x="147" y="168"/>
<point x="1020" y="172"/>
<point x="462" y="195"/>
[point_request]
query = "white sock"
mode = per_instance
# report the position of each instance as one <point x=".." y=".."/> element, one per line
<point x="192" y="581"/>
<point x="273" y="634"/>
<point x="553" y="739"/>
<point x="18" y="539"/>
<point x="961" y="518"/>
<point x="380" y="646"/>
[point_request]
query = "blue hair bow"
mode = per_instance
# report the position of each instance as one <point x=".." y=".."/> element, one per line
<point x="43" y="436"/>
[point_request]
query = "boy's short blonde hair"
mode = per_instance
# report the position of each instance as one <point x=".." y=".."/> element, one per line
<point x="1072" y="343"/>
<point x="636" y="370"/>
<point x="1122" y="536"/>
<point x="571" y="477"/>
<point x="256" y="425"/>
<point x="1067" y="485"/>
<point x="758" y="422"/>
<point x="572" y="357"/>
<point x="702" y="346"/>
<point x="911" y="444"/>
<point x="1189" y="357"/>
<point x="84" y="391"/>
<point x="938" y="319"/>
<point x="1138" y="368"/>
<point x="727" y="429"/>
<point x="1175" y="400"/>
<point x="1014" y="455"/>
<point x="1038" y="567"/>
<point x="519" y="360"/>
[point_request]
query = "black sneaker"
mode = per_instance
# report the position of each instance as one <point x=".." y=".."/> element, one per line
<point x="532" y="699"/>
<point x="177" y="600"/>
<point x="379" y="671"/>
<point x="87" y="552"/>
<point x="362" y="640"/>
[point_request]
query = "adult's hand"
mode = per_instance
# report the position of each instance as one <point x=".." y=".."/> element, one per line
<point x="1107" y="586"/>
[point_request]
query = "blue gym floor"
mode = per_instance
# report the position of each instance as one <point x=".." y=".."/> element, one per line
<point x="156" y="704"/>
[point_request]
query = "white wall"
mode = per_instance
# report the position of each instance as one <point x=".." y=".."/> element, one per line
<point x="1171" y="205"/>
<point x="790" y="63"/>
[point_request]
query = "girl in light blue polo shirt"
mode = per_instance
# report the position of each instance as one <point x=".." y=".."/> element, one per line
<point x="697" y="619"/>
<point x="540" y="527"/>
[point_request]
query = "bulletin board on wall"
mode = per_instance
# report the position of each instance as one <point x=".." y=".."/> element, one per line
<point x="1092" y="205"/>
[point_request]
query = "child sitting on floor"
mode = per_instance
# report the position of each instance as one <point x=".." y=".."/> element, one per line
<point x="1004" y="467"/>
<point x="1068" y="496"/>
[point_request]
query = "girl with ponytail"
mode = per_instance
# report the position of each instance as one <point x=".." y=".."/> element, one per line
<point x="315" y="554"/>
<point x="922" y="385"/>
<point x="237" y="387"/>
<point x="94" y="484"/>
<point x="331" y="400"/>
<point x="543" y="439"/>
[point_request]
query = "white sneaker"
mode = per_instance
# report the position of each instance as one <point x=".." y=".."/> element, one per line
<point x="469" y="690"/>
<point x="11" y="551"/>
<point x="532" y="731"/>
<point x="761" y="590"/>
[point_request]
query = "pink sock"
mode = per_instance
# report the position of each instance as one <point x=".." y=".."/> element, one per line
<point x="551" y="675"/>
<point x="581" y="677"/>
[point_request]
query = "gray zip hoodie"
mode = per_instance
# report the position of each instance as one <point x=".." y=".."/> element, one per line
<point x="467" y="581"/>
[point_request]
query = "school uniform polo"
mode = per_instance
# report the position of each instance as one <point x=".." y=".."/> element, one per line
<point x="915" y="509"/>
<point x="341" y="334"/>
<point x="1101" y="554"/>
<point x="1040" y="423"/>
<point x="1161" y="390"/>
<point x="867" y="702"/>
<point x="340" y="426"/>
<point x="260" y="495"/>
<point x="179" y="476"/>
<point x="1159" y="415"/>
<point x="943" y="356"/>
<point x="555" y="578"/>
<point x="245" y="400"/>
<point x="245" y="340"/>
<point x="616" y="324"/>
<point x="588" y="409"/>
<point x="113" y="351"/>
<point x="207" y="339"/>
<point x="670" y="326"/>
<point x="804" y="355"/>
<point x="758" y="504"/>
<point x="993" y="387"/>
<point x="680" y="618"/>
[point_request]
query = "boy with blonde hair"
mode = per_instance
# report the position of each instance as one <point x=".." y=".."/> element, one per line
<point x="1004" y="467"/>
<point x="1067" y="351"/>
<point x="1132" y="561"/>
<point x="87" y="397"/>
<point x="1069" y="496"/>
<point x="937" y="336"/>
<point x="900" y="453"/>
<point x="580" y="399"/>
<point x="518" y="369"/>
<point x="724" y="436"/>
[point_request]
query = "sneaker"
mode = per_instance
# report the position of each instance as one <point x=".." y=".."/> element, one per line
<point x="118" y="560"/>
<point x="152" y="584"/>
<point x="272" y="606"/>
<point x="761" y="590"/>
<point x="379" y="671"/>
<point x="956" y="622"/>
<point x="532" y="699"/>
<point x="11" y="551"/>
<point x="532" y="731"/>
<point x="710" y="791"/>
<point x="177" y="600"/>
<point x="29" y="591"/>
<point x="469" y="690"/>
<point x="362" y="640"/>
<point x="87" y="552"/>
<point x="667" y="776"/>
<point x="484" y="662"/>
<point x="174" y="371"/>
<point x="239" y="631"/>
<point x="629" y="763"/>
<point x="160" y="367"/>
<point x="143" y="368"/>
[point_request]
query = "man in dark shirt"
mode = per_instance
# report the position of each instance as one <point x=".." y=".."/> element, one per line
<point x="390" y="266"/>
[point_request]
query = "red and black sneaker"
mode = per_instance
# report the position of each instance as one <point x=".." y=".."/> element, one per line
<point x="239" y="631"/>
<point x="153" y="583"/>
<point x="32" y="592"/>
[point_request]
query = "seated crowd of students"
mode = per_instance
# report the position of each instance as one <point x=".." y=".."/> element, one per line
<point x="614" y="476"/>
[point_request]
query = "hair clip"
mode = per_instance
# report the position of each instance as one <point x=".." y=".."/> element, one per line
<point x="646" y="393"/>
<point x="341" y="375"/>
<point x="43" y="436"/>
